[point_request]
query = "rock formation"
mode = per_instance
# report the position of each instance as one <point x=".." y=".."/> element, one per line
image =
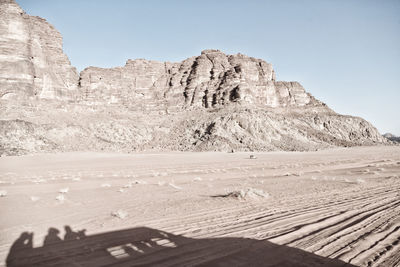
<point x="33" y="64"/>
<point x="209" y="102"/>
<point x="392" y="137"/>
<point x="210" y="80"/>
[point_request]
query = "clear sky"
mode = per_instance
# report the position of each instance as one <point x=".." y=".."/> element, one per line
<point x="344" y="52"/>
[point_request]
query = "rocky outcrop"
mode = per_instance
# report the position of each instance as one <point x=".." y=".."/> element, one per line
<point x="392" y="137"/>
<point x="33" y="65"/>
<point x="72" y="127"/>
<point x="212" y="79"/>
<point x="32" y="62"/>
<point x="209" y="102"/>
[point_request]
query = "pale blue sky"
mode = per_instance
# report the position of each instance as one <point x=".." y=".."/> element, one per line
<point x="344" y="52"/>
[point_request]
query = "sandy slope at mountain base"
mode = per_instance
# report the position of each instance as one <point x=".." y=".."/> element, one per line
<point x="323" y="208"/>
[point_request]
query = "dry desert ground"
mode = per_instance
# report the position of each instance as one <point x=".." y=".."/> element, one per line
<point x="338" y="207"/>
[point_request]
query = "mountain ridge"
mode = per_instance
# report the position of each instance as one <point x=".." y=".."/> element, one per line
<point x="212" y="101"/>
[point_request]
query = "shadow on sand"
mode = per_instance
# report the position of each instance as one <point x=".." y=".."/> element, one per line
<point x="150" y="247"/>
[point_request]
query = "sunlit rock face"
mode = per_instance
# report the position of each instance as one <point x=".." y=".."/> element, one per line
<point x="32" y="62"/>
<point x="212" y="79"/>
<point x="33" y="65"/>
<point x="210" y="102"/>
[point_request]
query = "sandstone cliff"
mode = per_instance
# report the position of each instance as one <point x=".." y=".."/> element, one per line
<point x="209" y="102"/>
<point x="210" y="80"/>
<point x="32" y="62"/>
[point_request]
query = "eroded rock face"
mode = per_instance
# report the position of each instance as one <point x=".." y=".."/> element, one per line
<point x="33" y="65"/>
<point x="212" y="79"/>
<point x="209" y="102"/>
<point x="32" y="62"/>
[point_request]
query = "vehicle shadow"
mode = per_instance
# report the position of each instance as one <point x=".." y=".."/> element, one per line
<point x="144" y="246"/>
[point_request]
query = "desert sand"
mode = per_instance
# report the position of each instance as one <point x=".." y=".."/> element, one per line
<point x="337" y="207"/>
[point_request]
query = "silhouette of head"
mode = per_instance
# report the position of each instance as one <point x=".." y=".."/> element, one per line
<point x="25" y="235"/>
<point x="52" y="236"/>
<point x="53" y="231"/>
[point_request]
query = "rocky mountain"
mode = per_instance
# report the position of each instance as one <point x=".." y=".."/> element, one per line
<point x="209" y="102"/>
<point x="392" y="137"/>
<point x="210" y="80"/>
<point x="32" y="60"/>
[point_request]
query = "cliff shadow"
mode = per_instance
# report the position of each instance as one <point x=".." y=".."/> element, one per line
<point x="144" y="246"/>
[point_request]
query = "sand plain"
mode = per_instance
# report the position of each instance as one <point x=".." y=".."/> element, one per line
<point x="337" y="207"/>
